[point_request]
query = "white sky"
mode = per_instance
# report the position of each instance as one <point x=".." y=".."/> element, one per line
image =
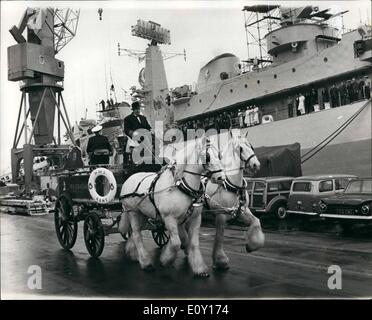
<point x="204" y="28"/>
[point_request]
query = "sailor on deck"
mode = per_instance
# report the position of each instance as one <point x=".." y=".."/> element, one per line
<point x="99" y="148"/>
<point x="301" y="104"/>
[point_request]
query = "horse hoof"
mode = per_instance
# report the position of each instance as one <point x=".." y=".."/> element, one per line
<point x="202" y="275"/>
<point x="167" y="265"/>
<point x="149" y="268"/>
<point x="221" y="267"/>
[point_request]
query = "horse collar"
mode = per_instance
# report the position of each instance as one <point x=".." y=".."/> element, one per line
<point x="229" y="186"/>
<point x="184" y="187"/>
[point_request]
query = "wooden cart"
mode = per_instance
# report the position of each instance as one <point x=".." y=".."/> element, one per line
<point x="74" y="204"/>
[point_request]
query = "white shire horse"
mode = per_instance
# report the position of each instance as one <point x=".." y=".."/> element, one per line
<point x="169" y="196"/>
<point x="226" y="200"/>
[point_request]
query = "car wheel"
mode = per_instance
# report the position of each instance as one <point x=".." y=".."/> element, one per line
<point x="281" y="212"/>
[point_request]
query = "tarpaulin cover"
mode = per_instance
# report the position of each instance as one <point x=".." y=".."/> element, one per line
<point x="282" y="160"/>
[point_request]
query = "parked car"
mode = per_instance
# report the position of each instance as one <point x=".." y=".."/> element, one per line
<point x="355" y="203"/>
<point x="269" y="195"/>
<point x="307" y="191"/>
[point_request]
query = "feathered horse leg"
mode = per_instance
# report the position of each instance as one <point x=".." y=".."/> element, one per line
<point x="170" y="250"/>
<point x="220" y="259"/>
<point x="144" y="258"/>
<point x="195" y="258"/>
<point x="254" y="237"/>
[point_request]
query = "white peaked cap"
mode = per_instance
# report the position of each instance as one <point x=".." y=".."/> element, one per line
<point x="97" y="128"/>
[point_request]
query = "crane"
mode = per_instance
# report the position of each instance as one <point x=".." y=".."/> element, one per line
<point x="32" y="61"/>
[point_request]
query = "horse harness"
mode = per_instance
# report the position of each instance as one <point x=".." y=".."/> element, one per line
<point x="235" y="211"/>
<point x="181" y="184"/>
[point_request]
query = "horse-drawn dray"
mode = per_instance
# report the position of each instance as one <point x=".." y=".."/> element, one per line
<point x="160" y="199"/>
<point x="91" y="194"/>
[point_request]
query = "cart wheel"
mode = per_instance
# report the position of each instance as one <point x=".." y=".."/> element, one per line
<point x="65" y="224"/>
<point x="160" y="236"/>
<point x="94" y="235"/>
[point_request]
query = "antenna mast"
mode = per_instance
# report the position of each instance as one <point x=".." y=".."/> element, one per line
<point x="258" y="21"/>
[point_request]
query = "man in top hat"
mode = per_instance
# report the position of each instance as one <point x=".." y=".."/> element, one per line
<point x="99" y="148"/>
<point x="135" y="121"/>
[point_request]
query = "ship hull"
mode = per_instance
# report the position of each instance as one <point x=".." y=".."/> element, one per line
<point x="350" y="151"/>
<point x="349" y="158"/>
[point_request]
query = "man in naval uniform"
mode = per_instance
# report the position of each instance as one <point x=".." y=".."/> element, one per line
<point x="226" y="121"/>
<point x="334" y="96"/>
<point x="98" y="148"/>
<point x="367" y="87"/>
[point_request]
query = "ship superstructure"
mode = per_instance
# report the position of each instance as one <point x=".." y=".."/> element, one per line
<point x="304" y="55"/>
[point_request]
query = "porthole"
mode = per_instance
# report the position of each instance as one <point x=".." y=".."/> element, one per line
<point x="258" y="81"/>
<point x="245" y="86"/>
<point x="231" y="90"/>
<point x="293" y="69"/>
<point x="215" y="96"/>
<point x="200" y="101"/>
<point x="275" y="76"/>
<point x="325" y="59"/>
<point x="224" y="75"/>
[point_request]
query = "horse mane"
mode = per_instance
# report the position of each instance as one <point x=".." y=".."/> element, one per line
<point x="230" y="148"/>
<point x="231" y="156"/>
<point x="182" y="157"/>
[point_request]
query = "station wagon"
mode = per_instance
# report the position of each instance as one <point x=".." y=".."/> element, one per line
<point x="307" y="191"/>
<point x="269" y="195"/>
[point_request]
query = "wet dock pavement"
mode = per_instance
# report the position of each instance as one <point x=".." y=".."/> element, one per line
<point x="293" y="264"/>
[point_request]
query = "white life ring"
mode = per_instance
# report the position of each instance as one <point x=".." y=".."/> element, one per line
<point x="112" y="183"/>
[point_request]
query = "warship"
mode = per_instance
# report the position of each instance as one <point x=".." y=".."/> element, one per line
<point x="305" y="55"/>
<point x="293" y="52"/>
